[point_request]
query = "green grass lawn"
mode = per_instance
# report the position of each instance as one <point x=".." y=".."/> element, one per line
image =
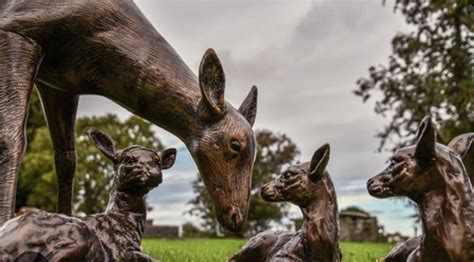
<point x="203" y="249"/>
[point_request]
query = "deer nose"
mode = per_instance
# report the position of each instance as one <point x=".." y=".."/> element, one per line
<point x="154" y="172"/>
<point x="235" y="217"/>
<point x="370" y="182"/>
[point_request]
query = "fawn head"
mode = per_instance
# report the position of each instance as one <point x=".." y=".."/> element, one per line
<point x="417" y="169"/>
<point x="302" y="183"/>
<point x="224" y="146"/>
<point x="137" y="169"/>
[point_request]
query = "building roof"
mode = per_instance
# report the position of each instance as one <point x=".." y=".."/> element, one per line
<point x="355" y="214"/>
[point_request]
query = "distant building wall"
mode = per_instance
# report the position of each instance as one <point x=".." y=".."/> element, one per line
<point x="355" y="226"/>
<point x="358" y="226"/>
<point x="160" y="231"/>
<point x="396" y="238"/>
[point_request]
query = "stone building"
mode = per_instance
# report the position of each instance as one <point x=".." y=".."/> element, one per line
<point x="357" y="225"/>
<point x="396" y="238"/>
<point x="160" y="231"/>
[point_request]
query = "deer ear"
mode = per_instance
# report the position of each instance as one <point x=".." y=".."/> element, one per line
<point x="425" y="151"/>
<point x="469" y="150"/>
<point x="168" y="156"/>
<point x="248" y="108"/>
<point x="103" y="142"/>
<point x="319" y="161"/>
<point x="468" y="159"/>
<point x="212" y="83"/>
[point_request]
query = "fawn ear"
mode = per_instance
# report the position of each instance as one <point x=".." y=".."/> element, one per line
<point x="464" y="146"/>
<point x="425" y="151"/>
<point x="103" y="142"/>
<point x="168" y="156"/>
<point x="248" y="108"/>
<point x="319" y="161"/>
<point x="468" y="159"/>
<point x="212" y="84"/>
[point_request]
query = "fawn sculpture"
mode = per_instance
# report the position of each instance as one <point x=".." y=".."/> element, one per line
<point x="433" y="176"/>
<point x="68" y="48"/>
<point x="114" y="235"/>
<point x="464" y="146"/>
<point x="308" y="186"/>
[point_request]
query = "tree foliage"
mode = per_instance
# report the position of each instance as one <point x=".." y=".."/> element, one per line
<point x="92" y="183"/>
<point x="429" y="72"/>
<point x="274" y="152"/>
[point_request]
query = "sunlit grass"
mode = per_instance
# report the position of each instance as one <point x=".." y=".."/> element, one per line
<point x="203" y="249"/>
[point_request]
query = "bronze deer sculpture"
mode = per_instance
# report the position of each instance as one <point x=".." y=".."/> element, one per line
<point x="464" y="146"/>
<point x="68" y="48"/>
<point x="114" y="235"/>
<point x="433" y="176"/>
<point x="308" y="186"/>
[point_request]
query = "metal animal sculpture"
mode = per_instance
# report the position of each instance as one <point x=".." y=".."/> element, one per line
<point x="68" y="48"/>
<point x="111" y="236"/>
<point x="433" y="176"/>
<point x="308" y="186"/>
<point x="464" y="146"/>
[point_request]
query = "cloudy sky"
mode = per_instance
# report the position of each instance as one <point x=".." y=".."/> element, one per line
<point x="305" y="57"/>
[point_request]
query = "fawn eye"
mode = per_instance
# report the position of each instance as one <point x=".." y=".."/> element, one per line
<point x="129" y="160"/>
<point x="235" y="146"/>
<point x="286" y="175"/>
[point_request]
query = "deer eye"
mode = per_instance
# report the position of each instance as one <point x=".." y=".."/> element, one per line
<point x="235" y="146"/>
<point x="129" y="161"/>
<point x="286" y="175"/>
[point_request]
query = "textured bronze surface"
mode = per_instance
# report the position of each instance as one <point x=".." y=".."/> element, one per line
<point x="464" y="146"/>
<point x="403" y="250"/>
<point x="308" y="186"/>
<point x="108" y="48"/>
<point x="114" y="235"/>
<point x="433" y="176"/>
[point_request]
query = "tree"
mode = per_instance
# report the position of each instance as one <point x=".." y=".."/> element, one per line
<point x="429" y="72"/>
<point x="189" y="230"/>
<point x="37" y="179"/>
<point x="32" y="168"/>
<point x="274" y="152"/>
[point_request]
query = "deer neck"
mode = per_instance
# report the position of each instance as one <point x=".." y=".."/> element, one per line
<point x="157" y="84"/>
<point x="168" y="101"/>
<point x="172" y="106"/>
<point x="121" y="202"/>
<point x="445" y="215"/>
<point x="320" y="227"/>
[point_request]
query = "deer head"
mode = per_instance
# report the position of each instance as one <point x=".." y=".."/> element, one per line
<point x="224" y="148"/>
<point x="137" y="169"/>
<point x="419" y="169"/>
<point x="300" y="184"/>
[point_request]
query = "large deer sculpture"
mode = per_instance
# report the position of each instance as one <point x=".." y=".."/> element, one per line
<point x="107" y="47"/>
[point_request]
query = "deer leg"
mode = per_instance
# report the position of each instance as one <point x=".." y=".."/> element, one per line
<point x="60" y="110"/>
<point x="19" y="61"/>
